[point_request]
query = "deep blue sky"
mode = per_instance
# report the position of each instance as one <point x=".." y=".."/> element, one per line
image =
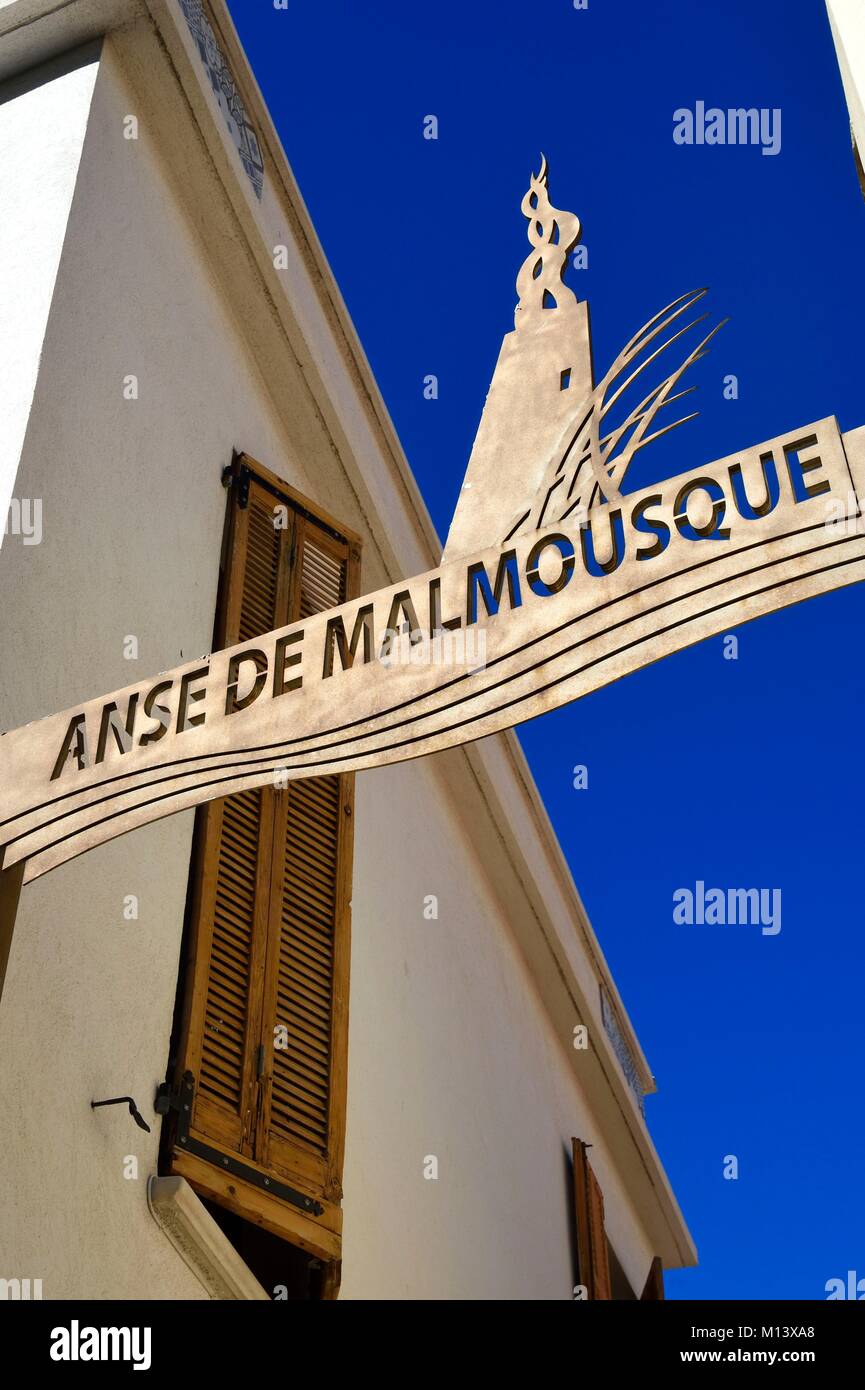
<point x="743" y="773"/>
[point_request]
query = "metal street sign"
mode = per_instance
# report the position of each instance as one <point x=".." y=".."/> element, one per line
<point x="582" y="585"/>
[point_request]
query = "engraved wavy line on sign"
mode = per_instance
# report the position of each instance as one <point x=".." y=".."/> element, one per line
<point x="348" y="758"/>
<point x="375" y="719"/>
<point x="345" y="757"/>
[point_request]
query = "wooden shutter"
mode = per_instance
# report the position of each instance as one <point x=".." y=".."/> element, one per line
<point x="594" y="1264"/>
<point x="303" y="1112"/>
<point x="264" y="1022"/>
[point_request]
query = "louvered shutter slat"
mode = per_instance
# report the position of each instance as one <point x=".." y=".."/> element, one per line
<point x="306" y="974"/>
<point x="228" y="984"/>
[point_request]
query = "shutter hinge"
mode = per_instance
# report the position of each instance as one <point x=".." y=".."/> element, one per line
<point x="237" y="476"/>
<point x="242" y="485"/>
<point x="179" y="1099"/>
<point x="238" y="1169"/>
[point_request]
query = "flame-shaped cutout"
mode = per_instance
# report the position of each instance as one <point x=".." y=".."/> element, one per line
<point x="553" y="234"/>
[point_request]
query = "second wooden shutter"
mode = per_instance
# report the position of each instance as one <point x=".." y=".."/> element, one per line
<point x="594" y="1261"/>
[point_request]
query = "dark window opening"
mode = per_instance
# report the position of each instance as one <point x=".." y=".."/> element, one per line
<point x="284" y="1271"/>
<point x="619" y="1284"/>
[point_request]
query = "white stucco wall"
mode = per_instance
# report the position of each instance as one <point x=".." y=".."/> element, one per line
<point x="41" y="136"/>
<point x="133" y="515"/>
<point x="847" y="20"/>
<point x="452" y="1055"/>
<point x="451" y="1052"/>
